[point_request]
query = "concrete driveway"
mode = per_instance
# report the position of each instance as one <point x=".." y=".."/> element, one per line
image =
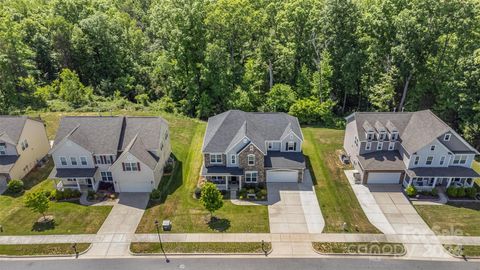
<point x="2" y="189"/>
<point x="293" y="208"/>
<point x="120" y="225"/>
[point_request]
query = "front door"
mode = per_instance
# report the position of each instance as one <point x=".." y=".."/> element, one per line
<point x="234" y="180"/>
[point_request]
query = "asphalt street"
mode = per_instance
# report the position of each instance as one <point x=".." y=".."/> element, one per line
<point x="232" y="263"/>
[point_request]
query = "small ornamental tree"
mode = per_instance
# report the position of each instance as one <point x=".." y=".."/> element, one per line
<point x="211" y="197"/>
<point x="37" y="202"/>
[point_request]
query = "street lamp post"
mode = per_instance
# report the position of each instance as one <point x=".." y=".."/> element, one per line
<point x="160" y="241"/>
<point x="74" y="247"/>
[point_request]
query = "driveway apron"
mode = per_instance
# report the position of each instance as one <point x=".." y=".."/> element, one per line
<point x="114" y="237"/>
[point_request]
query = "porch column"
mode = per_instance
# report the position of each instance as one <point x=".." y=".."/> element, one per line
<point x="239" y="182"/>
<point x="434" y="182"/>
<point x="78" y="184"/>
<point x="449" y="181"/>
<point x="226" y="181"/>
<point x="410" y="181"/>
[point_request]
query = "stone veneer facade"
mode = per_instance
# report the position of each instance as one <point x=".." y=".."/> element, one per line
<point x="259" y="162"/>
<point x="206" y="159"/>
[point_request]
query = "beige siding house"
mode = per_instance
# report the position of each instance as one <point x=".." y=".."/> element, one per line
<point x="23" y="143"/>
<point x="116" y="153"/>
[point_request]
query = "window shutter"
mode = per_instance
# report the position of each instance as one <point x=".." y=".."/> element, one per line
<point x="123" y="166"/>
<point x="111" y="159"/>
<point x="295" y="146"/>
<point x="286" y="146"/>
<point x="138" y="165"/>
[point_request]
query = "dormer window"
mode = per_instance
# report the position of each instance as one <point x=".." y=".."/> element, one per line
<point x="394" y="136"/>
<point x="379" y="146"/>
<point x="233" y="159"/>
<point x="369" y="136"/>
<point x="382" y="135"/>
<point x="447" y="137"/>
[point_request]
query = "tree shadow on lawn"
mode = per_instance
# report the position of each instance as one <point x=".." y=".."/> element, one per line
<point x="467" y="205"/>
<point x="219" y="224"/>
<point x="43" y="226"/>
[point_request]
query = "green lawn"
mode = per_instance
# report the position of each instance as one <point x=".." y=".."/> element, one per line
<point x="360" y="248"/>
<point x="335" y="195"/>
<point x="452" y="219"/>
<point x="41" y="249"/>
<point x="466" y="250"/>
<point x="201" y="247"/>
<point x="179" y="206"/>
<point x="476" y="167"/>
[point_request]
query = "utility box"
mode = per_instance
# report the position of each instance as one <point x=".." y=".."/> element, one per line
<point x="167" y="225"/>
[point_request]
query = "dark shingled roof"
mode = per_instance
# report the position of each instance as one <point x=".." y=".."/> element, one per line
<point x="6" y="163"/>
<point x="12" y="126"/>
<point x="416" y="129"/>
<point x="216" y="170"/>
<point x="294" y="160"/>
<point x="382" y="160"/>
<point x="73" y="172"/>
<point x="452" y="171"/>
<point x="114" y="134"/>
<point x="226" y="129"/>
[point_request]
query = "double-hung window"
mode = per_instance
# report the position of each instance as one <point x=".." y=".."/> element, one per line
<point x="215" y="158"/>
<point x="460" y="159"/>
<point x="251" y="177"/>
<point x="3" y="149"/>
<point x="291" y="146"/>
<point x="368" y="146"/>
<point x="432" y="148"/>
<point x="429" y="160"/>
<point x="83" y="161"/>
<point x="251" y="160"/>
<point x="233" y="159"/>
<point x="391" y="146"/>
<point x="379" y="145"/>
<point x="107" y="176"/>
<point x="447" y="137"/>
<point x="442" y="160"/>
<point x="63" y="161"/>
<point x="73" y="160"/>
<point x="131" y="166"/>
<point x="416" y="160"/>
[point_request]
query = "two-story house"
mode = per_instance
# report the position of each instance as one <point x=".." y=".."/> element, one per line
<point x="248" y="148"/>
<point x="412" y="148"/>
<point x="23" y="143"/>
<point x="127" y="154"/>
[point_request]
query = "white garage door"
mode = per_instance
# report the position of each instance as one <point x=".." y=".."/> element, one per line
<point x="282" y="176"/>
<point x="135" y="186"/>
<point x="383" y="178"/>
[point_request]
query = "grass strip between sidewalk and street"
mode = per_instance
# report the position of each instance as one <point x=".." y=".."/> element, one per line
<point x="465" y="250"/>
<point x="41" y="249"/>
<point x="201" y="247"/>
<point x="360" y="248"/>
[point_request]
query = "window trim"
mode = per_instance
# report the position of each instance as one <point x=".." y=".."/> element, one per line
<point x="216" y="160"/>
<point x="379" y="146"/>
<point x="248" y="160"/>
<point x="3" y="150"/>
<point x="433" y="147"/>
<point x="416" y="160"/>
<point x="431" y="161"/>
<point x="106" y="176"/>
<point x="82" y="159"/>
<point x="293" y="145"/>
<point x="442" y="160"/>
<point x="391" y="146"/>
<point x="251" y="173"/>
<point x="368" y="146"/>
<point x="233" y="159"/>
<point x="462" y="159"/>
<point x="62" y="159"/>
<point x="73" y="161"/>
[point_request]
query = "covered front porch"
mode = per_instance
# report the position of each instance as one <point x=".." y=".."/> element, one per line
<point x="80" y="179"/>
<point x="429" y="178"/>
<point x="225" y="178"/>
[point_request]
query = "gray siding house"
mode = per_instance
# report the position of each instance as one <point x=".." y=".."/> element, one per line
<point x="249" y="148"/>
<point x="411" y="148"/>
<point x="126" y="154"/>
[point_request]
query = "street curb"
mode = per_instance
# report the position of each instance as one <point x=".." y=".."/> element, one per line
<point x="46" y="256"/>
<point x="199" y="254"/>
<point x="361" y="254"/>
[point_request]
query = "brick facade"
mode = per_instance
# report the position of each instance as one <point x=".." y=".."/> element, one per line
<point x="259" y="162"/>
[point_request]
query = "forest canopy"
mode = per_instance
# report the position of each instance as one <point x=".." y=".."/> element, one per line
<point x="317" y="59"/>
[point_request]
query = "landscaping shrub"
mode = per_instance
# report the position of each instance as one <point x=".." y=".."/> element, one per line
<point x="434" y="192"/>
<point x="91" y="195"/>
<point x="261" y="194"/>
<point x="168" y="168"/>
<point x="461" y="192"/>
<point x="452" y="192"/>
<point x="242" y="193"/>
<point x="471" y="192"/>
<point x="15" y="186"/>
<point x="411" y="191"/>
<point x="156" y="194"/>
<point x="47" y="193"/>
<point x="59" y="195"/>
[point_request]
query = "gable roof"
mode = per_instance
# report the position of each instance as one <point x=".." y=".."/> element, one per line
<point x="113" y="134"/>
<point x="11" y="127"/>
<point x="228" y="128"/>
<point x="416" y="129"/>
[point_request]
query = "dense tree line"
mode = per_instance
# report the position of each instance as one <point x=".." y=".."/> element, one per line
<point x="313" y="58"/>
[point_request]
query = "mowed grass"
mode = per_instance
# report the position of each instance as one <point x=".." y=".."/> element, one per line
<point x="465" y="250"/>
<point x="201" y="247"/>
<point x="70" y="217"/>
<point x="41" y="249"/>
<point x="382" y="248"/>
<point x="335" y="195"/>
<point x="179" y="205"/>
<point x="476" y="167"/>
